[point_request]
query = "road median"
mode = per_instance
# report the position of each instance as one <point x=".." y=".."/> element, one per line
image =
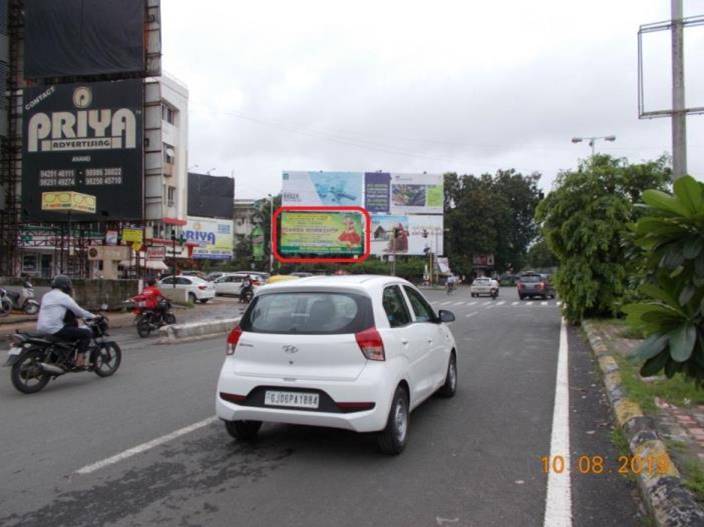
<point x="192" y="331"/>
<point x="663" y="490"/>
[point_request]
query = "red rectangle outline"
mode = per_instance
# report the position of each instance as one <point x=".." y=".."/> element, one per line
<point x="285" y="259"/>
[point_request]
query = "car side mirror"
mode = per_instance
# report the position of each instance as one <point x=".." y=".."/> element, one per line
<point x="446" y="316"/>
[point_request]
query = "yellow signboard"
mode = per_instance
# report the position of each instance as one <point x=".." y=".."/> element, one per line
<point x="68" y="201"/>
<point x="132" y="236"/>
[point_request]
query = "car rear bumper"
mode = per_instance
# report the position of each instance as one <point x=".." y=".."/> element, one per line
<point x="369" y="387"/>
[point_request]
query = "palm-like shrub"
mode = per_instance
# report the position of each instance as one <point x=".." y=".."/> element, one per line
<point x="672" y="317"/>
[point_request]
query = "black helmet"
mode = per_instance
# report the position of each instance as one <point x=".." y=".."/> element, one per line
<point x="62" y="282"/>
<point x="151" y="282"/>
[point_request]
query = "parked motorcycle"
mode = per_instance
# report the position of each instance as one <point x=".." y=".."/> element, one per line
<point x="37" y="358"/>
<point x="148" y="320"/>
<point x="24" y="300"/>
<point x="5" y="303"/>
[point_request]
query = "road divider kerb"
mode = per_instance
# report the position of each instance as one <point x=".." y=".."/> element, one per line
<point x="669" y="501"/>
<point x="192" y="331"/>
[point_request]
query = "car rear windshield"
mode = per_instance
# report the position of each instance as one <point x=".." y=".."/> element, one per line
<point x="310" y="313"/>
<point x="531" y="278"/>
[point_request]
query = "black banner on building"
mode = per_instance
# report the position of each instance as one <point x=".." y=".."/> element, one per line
<point x="210" y="196"/>
<point x="83" y="37"/>
<point x="86" y="138"/>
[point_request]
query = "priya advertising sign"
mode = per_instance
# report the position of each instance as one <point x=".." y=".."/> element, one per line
<point x="84" y="138"/>
<point x="213" y="236"/>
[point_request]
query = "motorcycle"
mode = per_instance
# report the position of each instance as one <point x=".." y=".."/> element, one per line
<point x="24" y="300"/>
<point x="37" y="358"/>
<point x="246" y="294"/>
<point x="148" y="320"/>
<point x="5" y="303"/>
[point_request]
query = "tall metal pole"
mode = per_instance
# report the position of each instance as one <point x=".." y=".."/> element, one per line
<point x="271" y="233"/>
<point x="679" y="117"/>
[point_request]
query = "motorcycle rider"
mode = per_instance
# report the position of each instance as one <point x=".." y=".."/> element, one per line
<point x="246" y="287"/>
<point x="153" y="296"/>
<point x="58" y="313"/>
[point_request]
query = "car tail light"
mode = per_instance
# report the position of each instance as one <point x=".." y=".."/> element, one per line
<point x="520" y="285"/>
<point x="202" y="287"/>
<point x="232" y="397"/>
<point x="370" y="343"/>
<point x="541" y="285"/>
<point x="232" y="340"/>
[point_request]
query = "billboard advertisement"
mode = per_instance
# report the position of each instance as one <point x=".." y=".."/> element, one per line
<point x="76" y="37"/>
<point x="210" y="196"/>
<point x="414" y="234"/>
<point x="322" y="233"/>
<point x="417" y="194"/>
<point x="378" y="192"/>
<point x="323" y="189"/>
<point x="213" y="236"/>
<point x="84" y="138"/>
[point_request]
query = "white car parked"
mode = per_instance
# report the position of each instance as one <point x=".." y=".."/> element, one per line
<point x="357" y="352"/>
<point x="198" y="289"/>
<point x="231" y="284"/>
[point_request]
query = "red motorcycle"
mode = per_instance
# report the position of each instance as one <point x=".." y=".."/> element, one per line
<point x="149" y="319"/>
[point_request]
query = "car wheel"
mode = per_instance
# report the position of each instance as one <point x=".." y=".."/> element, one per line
<point x="192" y="297"/>
<point x="392" y="440"/>
<point x="243" y="430"/>
<point x="450" y="387"/>
<point x="203" y="300"/>
<point x="521" y="297"/>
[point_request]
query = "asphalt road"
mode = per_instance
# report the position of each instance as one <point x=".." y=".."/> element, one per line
<point x="474" y="460"/>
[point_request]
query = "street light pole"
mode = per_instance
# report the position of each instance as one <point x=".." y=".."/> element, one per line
<point x="271" y="233"/>
<point x="592" y="141"/>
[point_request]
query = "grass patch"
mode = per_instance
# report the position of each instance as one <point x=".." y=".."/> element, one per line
<point x="694" y="479"/>
<point x="678" y="390"/>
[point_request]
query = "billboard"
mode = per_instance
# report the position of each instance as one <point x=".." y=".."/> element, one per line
<point x="84" y="138"/>
<point x="213" y="236"/>
<point x="322" y="189"/>
<point x="415" y="234"/>
<point x="68" y="202"/>
<point x="83" y="37"/>
<point x="321" y="233"/>
<point x="417" y="194"/>
<point x="378" y="192"/>
<point x="210" y="196"/>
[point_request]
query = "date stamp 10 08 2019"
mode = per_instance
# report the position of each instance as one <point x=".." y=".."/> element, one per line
<point x="626" y="465"/>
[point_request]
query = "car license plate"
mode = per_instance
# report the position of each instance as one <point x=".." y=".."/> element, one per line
<point x="292" y="399"/>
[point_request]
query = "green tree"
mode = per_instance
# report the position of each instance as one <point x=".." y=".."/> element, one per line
<point x="490" y="215"/>
<point x="540" y="256"/>
<point x="262" y="217"/>
<point x="584" y="221"/>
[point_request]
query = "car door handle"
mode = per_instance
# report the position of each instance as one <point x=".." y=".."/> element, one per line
<point x="430" y="341"/>
<point x="404" y="342"/>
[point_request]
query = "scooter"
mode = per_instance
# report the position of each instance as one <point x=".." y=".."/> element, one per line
<point x="24" y="299"/>
<point x="5" y="303"/>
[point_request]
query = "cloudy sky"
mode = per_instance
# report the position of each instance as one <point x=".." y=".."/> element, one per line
<point x="407" y="86"/>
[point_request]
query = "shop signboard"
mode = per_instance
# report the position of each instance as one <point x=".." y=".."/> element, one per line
<point x="213" y="236"/>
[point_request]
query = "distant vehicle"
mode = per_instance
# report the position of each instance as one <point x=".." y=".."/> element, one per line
<point x="262" y="277"/>
<point x="198" y="289"/>
<point x="346" y="352"/>
<point x="484" y="286"/>
<point x="302" y="274"/>
<point x="532" y="284"/>
<point x="211" y="277"/>
<point x="508" y="279"/>
<point x="231" y="283"/>
<point x="281" y="278"/>
<point x="199" y="274"/>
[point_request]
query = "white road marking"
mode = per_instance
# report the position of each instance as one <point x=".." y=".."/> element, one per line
<point x="458" y="304"/>
<point x="529" y="303"/>
<point x="543" y="303"/>
<point x="445" y="303"/>
<point x="145" y="446"/>
<point x="514" y="303"/>
<point x="500" y="303"/>
<point x="558" y="502"/>
<point x="471" y="314"/>
<point x="471" y="303"/>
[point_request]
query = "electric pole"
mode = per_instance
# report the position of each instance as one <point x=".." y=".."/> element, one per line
<point x="679" y="115"/>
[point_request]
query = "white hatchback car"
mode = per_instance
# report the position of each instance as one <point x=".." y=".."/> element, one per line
<point x="198" y="289"/>
<point x="357" y="352"/>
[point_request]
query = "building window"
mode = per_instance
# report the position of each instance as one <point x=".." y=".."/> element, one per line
<point x="169" y="154"/>
<point x="168" y="114"/>
<point x="171" y="193"/>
